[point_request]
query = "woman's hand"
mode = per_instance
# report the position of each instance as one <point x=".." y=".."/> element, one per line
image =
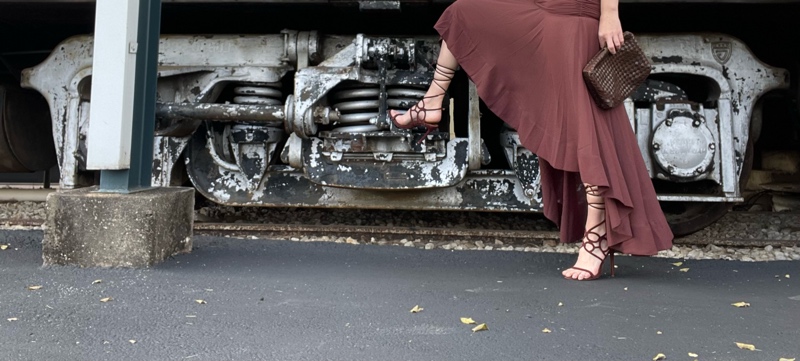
<point x="610" y="33"/>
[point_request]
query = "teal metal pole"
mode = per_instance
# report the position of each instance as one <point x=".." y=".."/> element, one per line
<point x="141" y="168"/>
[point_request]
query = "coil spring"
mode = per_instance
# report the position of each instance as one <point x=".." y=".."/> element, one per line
<point x="261" y="94"/>
<point x="358" y="108"/>
<point x="403" y="98"/>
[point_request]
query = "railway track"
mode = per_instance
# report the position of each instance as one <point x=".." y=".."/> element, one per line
<point x="365" y="234"/>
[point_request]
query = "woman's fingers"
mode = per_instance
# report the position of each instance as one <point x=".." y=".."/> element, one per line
<point x="610" y="45"/>
<point x="612" y="41"/>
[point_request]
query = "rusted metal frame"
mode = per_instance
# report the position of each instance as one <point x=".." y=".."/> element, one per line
<point x="70" y="64"/>
<point x="384" y="175"/>
<point x="524" y="163"/>
<point x="474" y="126"/>
<point x="167" y="153"/>
<point x="730" y="182"/>
<point x="288" y="187"/>
<point x="740" y="86"/>
<point x="58" y="79"/>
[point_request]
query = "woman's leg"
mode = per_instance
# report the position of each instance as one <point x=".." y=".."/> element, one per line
<point x="595" y="247"/>
<point x="429" y="109"/>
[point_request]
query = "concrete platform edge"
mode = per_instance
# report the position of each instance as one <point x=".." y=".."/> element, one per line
<point x="86" y="228"/>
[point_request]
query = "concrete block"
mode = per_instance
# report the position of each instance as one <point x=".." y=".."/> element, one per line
<point x="86" y="228"/>
<point x="781" y="161"/>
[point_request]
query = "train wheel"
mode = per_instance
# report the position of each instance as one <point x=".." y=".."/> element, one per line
<point x="685" y="218"/>
<point x="688" y="217"/>
<point x="26" y="140"/>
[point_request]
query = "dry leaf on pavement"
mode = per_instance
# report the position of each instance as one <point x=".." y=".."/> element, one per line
<point x="106" y="299"/>
<point x="740" y="304"/>
<point x="11" y="319"/>
<point x="560" y="304"/>
<point x="202" y="302"/>
<point x="546" y="330"/>
<point x="96" y="282"/>
<point x="677" y="264"/>
<point x="684" y="270"/>
<point x="746" y="346"/>
<point x="132" y="341"/>
<point x="416" y="309"/>
<point x="786" y="359"/>
<point x="467" y="321"/>
<point x="481" y="327"/>
<point x="3" y="247"/>
<point x="692" y="354"/>
<point x="660" y="356"/>
<point x="34" y="288"/>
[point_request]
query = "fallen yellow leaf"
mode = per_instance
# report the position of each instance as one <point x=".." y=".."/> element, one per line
<point x="34" y="288"/>
<point x="202" y="302"/>
<point x="96" y="282"/>
<point x="785" y="359"/>
<point x="660" y="356"/>
<point x="546" y="330"/>
<point x="3" y="247"/>
<point x="692" y="354"/>
<point x="416" y="309"/>
<point x="12" y="319"/>
<point x="467" y="320"/>
<point x="746" y="346"/>
<point x="740" y="304"/>
<point x="481" y="327"/>
<point x="684" y="270"/>
<point x="132" y="341"/>
<point x="787" y="276"/>
<point x="106" y="299"/>
<point x="677" y="264"/>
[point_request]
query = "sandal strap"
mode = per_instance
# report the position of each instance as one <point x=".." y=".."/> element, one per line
<point x="589" y="244"/>
<point x="419" y="112"/>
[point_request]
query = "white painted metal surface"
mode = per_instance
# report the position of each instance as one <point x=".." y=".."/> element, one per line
<point x="114" y="66"/>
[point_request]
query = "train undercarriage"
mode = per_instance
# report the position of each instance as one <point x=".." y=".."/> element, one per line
<point x="299" y="118"/>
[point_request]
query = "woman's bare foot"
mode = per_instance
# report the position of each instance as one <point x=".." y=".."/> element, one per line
<point x="427" y="110"/>
<point x="591" y="261"/>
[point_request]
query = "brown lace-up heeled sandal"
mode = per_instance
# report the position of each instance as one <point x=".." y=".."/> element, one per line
<point x="593" y="241"/>
<point x="419" y="112"/>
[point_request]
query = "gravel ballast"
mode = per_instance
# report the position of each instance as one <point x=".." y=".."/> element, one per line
<point x="733" y="227"/>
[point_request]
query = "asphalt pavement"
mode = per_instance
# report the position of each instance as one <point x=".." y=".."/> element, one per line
<point x="233" y="299"/>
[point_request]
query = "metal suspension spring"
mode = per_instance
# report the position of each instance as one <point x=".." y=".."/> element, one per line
<point x="358" y="108"/>
<point x="258" y="94"/>
<point x="403" y="98"/>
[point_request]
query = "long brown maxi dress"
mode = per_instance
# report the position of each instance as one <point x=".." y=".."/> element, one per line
<point x="526" y="58"/>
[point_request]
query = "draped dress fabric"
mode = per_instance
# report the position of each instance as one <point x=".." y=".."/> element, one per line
<point x="526" y="59"/>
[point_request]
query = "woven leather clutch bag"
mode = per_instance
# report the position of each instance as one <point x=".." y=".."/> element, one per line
<point x="613" y="77"/>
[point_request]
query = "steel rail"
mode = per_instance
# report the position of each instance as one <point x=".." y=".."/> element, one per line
<point x="426" y="234"/>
